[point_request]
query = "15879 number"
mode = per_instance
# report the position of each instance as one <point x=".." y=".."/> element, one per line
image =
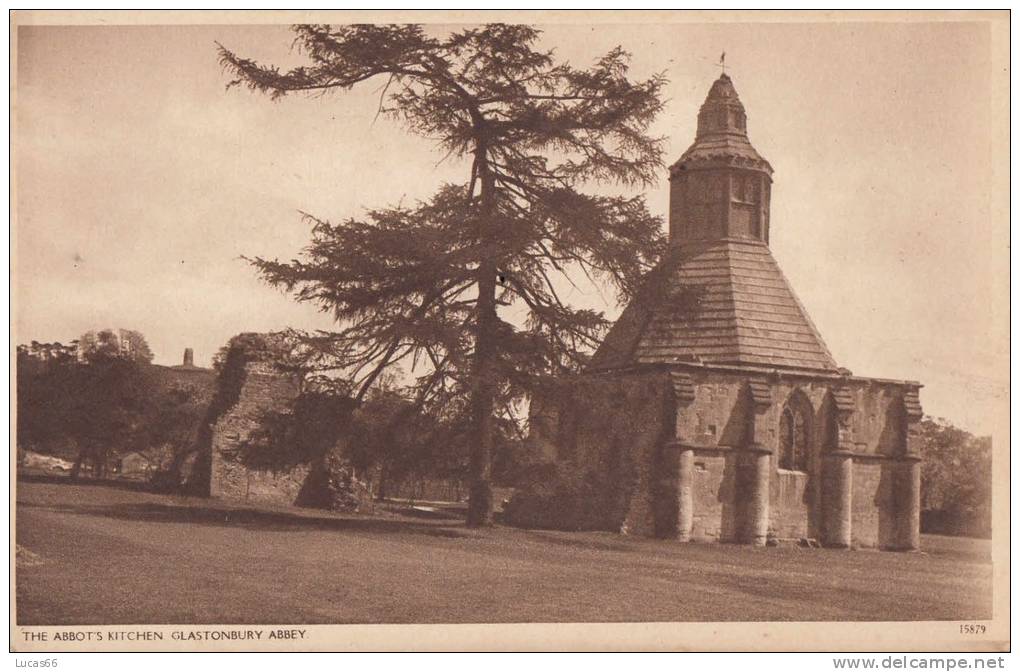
<point x="972" y="629"/>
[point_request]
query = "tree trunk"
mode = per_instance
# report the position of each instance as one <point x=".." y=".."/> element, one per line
<point x="98" y="462"/>
<point x="76" y="469"/>
<point x="380" y="494"/>
<point x="483" y="400"/>
<point x="483" y="383"/>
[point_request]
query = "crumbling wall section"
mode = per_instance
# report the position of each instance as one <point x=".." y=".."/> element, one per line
<point x="268" y="441"/>
<point x="263" y="390"/>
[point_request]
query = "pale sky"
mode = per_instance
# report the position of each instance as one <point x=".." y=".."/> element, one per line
<point x="141" y="181"/>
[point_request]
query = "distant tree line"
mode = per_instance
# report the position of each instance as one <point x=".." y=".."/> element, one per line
<point x="98" y="397"/>
<point x="956" y="480"/>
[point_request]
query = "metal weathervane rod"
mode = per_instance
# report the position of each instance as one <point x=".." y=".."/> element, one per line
<point x="721" y="63"/>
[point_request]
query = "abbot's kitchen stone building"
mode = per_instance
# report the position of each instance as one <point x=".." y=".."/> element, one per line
<point x="713" y="410"/>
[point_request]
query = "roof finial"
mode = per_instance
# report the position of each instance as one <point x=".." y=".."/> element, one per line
<point x="722" y="62"/>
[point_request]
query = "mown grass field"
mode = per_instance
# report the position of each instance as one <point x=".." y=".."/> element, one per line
<point x="101" y="554"/>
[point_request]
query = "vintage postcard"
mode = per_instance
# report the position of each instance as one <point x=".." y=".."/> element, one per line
<point x="510" y="331"/>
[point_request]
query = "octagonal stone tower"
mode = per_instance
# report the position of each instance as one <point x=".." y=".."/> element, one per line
<point x="721" y="186"/>
<point x="713" y="408"/>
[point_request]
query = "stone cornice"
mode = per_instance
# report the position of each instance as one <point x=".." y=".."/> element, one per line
<point x="769" y="373"/>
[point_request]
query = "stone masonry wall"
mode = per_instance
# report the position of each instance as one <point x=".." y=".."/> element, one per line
<point x="715" y="423"/>
<point x="263" y="390"/>
<point x="269" y="441"/>
<point x="716" y="420"/>
<point x="608" y="436"/>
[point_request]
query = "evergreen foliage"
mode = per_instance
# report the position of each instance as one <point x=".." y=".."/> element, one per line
<point x="429" y="285"/>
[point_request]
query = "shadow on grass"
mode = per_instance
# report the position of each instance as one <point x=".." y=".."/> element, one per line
<point x="584" y="540"/>
<point x="58" y="479"/>
<point x="254" y="519"/>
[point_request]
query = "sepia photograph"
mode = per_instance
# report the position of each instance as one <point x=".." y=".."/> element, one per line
<point x="624" y="330"/>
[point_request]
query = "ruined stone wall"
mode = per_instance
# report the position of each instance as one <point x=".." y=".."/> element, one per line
<point x="262" y="390"/>
<point x="266" y="440"/>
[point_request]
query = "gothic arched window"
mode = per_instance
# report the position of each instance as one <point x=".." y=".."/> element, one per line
<point x="793" y="439"/>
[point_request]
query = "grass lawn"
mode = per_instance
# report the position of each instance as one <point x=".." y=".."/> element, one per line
<point x="100" y="554"/>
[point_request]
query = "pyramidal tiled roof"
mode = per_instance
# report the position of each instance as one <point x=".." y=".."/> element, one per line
<point x="722" y="301"/>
